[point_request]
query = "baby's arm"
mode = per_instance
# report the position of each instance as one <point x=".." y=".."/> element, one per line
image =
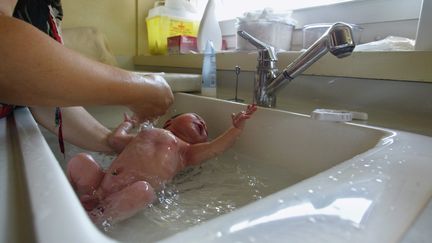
<point x="120" y="137"/>
<point x="204" y="151"/>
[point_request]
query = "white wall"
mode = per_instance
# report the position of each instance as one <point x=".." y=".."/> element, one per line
<point x="379" y="18"/>
<point x="360" y="12"/>
<point x="124" y="21"/>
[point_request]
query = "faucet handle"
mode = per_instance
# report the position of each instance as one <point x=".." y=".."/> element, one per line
<point x="262" y="47"/>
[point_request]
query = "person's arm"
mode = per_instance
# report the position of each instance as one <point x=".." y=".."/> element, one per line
<point x="197" y="153"/>
<point x="84" y="131"/>
<point x="35" y="70"/>
<point x="79" y="127"/>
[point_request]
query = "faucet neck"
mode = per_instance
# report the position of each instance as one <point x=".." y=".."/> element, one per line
<point x="266" y="71"/>
<point x="337" y="39"/>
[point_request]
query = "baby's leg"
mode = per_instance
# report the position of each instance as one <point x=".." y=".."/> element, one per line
<point x="85" y="174"/>
<point x="124" y="203"/>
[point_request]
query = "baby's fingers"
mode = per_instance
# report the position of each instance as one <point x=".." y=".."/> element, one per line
<point x="126" y="117"/>
<point x="251" y="109"/>
<point x="233" y="116"/>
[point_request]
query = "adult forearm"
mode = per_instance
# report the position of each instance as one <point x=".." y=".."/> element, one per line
<point x="35" y="70"/>
<point x="79" y="127"/>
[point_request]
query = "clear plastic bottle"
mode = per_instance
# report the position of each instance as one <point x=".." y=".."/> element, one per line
<point x="208" y="85"/>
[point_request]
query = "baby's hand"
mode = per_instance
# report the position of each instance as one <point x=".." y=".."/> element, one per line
<point x="120" y="137"/>
<point x="240" y="118"/>
<point x="132" y="120"/>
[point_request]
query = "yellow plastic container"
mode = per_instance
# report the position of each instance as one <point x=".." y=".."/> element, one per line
<point x="163" y="22"/>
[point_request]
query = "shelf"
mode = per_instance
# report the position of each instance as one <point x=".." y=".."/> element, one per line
<point x="405" y="66"/>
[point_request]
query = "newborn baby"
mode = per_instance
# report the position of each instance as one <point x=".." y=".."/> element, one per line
<point x="148" y="161"/>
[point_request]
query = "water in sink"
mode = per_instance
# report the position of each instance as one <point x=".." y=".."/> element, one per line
<point x="198" y="194"/>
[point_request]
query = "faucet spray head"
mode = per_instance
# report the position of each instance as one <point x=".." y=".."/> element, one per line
<point x="337" y="40"/>
<point x="340" y="40"/>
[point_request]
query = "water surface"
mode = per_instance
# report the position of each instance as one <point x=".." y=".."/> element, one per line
<point x="197" y="194"/>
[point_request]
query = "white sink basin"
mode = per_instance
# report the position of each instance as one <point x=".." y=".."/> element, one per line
<point x="351" y="183"/>
<point x="364" y="184"/>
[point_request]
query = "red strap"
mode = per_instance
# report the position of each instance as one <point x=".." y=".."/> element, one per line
<point x="58" y="115"/>
<point x="5" y="110"/>
<point x="54" y="28"/>
<point x="59" y="123"/>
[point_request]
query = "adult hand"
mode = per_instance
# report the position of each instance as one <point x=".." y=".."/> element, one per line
<point x="156" y="98"/>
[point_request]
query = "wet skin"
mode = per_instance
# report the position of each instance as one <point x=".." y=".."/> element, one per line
<point x="151" y="159"/>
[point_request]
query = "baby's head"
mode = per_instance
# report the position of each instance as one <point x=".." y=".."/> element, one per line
<point x="189" y="127"/>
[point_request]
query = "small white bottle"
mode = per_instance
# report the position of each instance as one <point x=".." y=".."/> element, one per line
<point x="208" y="85"/>
<point x="209" y="28"/>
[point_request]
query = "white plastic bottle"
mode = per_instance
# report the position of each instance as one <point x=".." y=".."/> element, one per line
<point x="208" y="85"/>
<point x="209" y="28"/>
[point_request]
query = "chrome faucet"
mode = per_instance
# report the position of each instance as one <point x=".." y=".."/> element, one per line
<point x="268" y="81"/>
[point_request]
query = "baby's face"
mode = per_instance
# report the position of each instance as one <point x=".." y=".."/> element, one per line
<point x="189" y="127"/>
